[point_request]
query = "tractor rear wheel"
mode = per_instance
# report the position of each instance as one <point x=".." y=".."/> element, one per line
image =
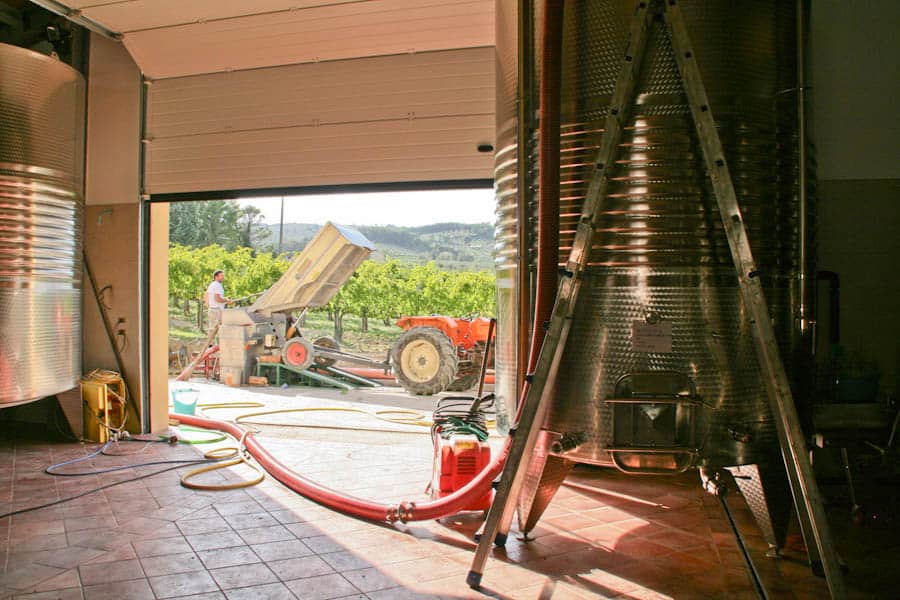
<point x="329" y="342"/>
<point x="424" y="360"/>
<point x="298" y="352"/>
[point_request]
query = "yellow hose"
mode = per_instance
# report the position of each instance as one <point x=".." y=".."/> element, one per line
<point x="412" y="418"/>
<point x="224" y="452"/>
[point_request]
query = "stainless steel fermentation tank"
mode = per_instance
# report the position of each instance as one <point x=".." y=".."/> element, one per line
<point x="42" y="121"/>
<point x="659" y="372"/>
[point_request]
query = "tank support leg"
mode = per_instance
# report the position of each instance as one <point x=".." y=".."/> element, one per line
<point x="539" y="392"/>
<point x="807" y="499"/>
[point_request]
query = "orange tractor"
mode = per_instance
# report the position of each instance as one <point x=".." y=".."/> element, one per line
<point x="439" y="353"/>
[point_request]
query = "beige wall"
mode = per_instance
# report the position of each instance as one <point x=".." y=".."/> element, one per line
<point x="111" y="249"/>
<point x="112" y="214"/>
<point x="159" y="317"/>
<point x="114" y="125"/>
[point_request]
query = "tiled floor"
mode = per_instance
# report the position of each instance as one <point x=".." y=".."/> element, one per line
<point x="605" y="535"/>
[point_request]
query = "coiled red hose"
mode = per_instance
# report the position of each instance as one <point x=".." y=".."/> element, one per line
<point x="357" y="507"/>
<point x="547" y="259"/>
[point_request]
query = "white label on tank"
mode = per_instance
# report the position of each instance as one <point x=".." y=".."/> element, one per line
<point x="651" y="337"/>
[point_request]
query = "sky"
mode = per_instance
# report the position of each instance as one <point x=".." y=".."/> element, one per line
<point x="405" y="209"/>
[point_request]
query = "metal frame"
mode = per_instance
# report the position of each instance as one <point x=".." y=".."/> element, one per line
<point x="76" y="16"/>
<point x="807" y="499"/>
<point x="539" y="385"/>
<point x="538" y="395"/>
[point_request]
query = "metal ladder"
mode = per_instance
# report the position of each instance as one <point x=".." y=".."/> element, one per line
<point x="538" y="397"/>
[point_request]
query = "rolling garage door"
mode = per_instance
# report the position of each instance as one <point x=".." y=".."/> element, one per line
<point x="416" y="117"/>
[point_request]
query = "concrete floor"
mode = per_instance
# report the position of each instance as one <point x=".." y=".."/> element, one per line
<point x="605" y="536"/>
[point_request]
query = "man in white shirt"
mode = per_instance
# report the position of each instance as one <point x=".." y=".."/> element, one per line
<point x="215" y="298"/>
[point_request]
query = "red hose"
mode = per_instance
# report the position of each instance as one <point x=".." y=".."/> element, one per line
<point x="186" y="374"/>
<point x="548" y="160"/>
<point x="357" y="507"/>
<point x="547" y="258"/>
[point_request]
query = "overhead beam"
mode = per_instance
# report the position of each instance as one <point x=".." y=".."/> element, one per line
<point x="76" y="16"/>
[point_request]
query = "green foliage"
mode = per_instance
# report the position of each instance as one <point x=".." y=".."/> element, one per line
<point x="191" y="269"/>
<point x="216" y="222"/>
<point x="378" y="290"/>
<point x="388" y="290"/>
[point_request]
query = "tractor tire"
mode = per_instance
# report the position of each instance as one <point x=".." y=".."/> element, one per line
<point x="424" y="360"/>
<point x="329" y="342"/>
<point x="298" y="352"/>
<point x="464" y="382"/>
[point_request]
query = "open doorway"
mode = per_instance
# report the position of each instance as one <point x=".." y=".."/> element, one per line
<point x="431" y="255"/>
<point x="426" y="254"/>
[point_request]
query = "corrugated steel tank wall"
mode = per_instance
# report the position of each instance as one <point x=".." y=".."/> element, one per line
<point x="42" y="122"/>
<point x="660" y="250"/>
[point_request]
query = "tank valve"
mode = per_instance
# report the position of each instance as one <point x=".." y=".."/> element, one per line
<point x="712" y="482"/>
<point x="567" y="442"/>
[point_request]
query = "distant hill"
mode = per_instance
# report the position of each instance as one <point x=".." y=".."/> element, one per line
<point x="457" y="246"/>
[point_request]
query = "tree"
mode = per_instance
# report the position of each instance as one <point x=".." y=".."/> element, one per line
<point x="253" y="230"/>
<point x="200" y="224"/>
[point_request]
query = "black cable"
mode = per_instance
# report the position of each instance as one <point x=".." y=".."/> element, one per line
<point x="462" y="414"/>
<point x="755" y="577"/>
<point x="95" y="490"/>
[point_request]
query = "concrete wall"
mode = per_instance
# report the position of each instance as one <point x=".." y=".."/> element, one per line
<point x="112" y="214"/>
<point x="111" y="249"/>
<point x="854" y="51"/>
<point x="114" y="125"/>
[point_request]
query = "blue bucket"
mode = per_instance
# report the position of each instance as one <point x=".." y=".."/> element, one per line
<point x="184" y="401"/>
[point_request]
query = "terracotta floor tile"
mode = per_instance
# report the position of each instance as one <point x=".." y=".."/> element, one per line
<point x="281" y="550"/>
<point x="287" y="516"/>
<point x="270" y="591"/>
<point x="170" y="586"/>
<point x="82" y="523"/>
<point x="262" y="535"/>
<point x="296" y="568"/>
<point x="346" y="561"/>
<point x="64" y="594"/>
<point x="251" y="521"/>
<point x="322" y="587"/>
<point x="228" y="557"/>
<point x="122" y="552"/>
<point x="171" y="564"/>
<point x="125" y="570"/>
<point x="64" y="558"/>
<point x="136" y="589"/>
<point x="25" y="530"/>
<point x="99" y="539"/>
<point x="303" y="529"/>
<point x="208" y="541"/>
<point x="400" y="594"/>
<point x="243" y="576"/>
<point x="240" y="507"/>
<point x="28" y="576"/>
<point x="370" y="580"/>
<point x="204" y="525"/>
<point x="322" y="544"/>
<point x="63" y="581"/>
<point x="161" y="546"/>
<point x="41" y="542"/>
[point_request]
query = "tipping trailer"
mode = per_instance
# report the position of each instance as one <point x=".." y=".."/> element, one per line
<point x="267" y="332"/>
